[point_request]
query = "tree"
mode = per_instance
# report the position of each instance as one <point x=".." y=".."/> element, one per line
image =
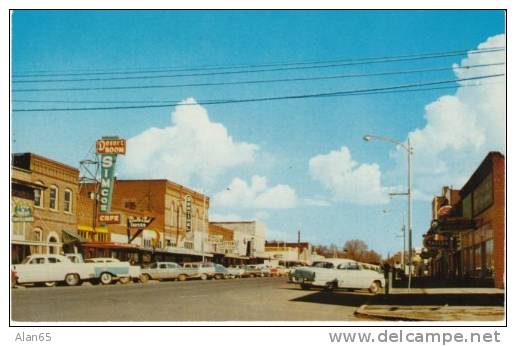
<point x="355" y="249"/>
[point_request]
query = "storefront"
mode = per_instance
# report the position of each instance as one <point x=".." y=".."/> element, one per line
<point x="473" y="227"/>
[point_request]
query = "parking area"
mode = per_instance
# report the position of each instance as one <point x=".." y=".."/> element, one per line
<point x="250" y="299"/>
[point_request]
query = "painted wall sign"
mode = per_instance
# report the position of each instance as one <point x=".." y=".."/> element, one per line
<point x="139" y="222"/>
<point x="108" y="145"/>
<point x="22" y="212"/>
<point x="109" y="218"/>
<point x="109" y="148"/>
<point x="188" y="211"/>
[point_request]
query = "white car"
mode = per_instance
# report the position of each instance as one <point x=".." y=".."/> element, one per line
<point x="346" y="273"/>
<point x="236" y="271"/>
<point x="50" y="269"/>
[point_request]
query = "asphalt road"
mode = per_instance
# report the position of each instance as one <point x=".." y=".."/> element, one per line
<point x="251" y="299"/>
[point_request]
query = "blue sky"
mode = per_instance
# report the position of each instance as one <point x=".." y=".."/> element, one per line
<point x="309" y="162"/>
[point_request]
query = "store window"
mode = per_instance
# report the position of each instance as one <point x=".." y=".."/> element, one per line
<point x="67" y="205"/>
<point x="489" y="258"/>
<point x="53" y="193"/>
<point x="483" y="195"/>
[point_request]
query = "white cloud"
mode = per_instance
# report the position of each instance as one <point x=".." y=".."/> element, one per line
<point x="461" y="128"/>
<point x="256" y="195"/>
<point x="316" y="202"/>
<point x="348" y="180"/>
<point x="214" y="217"/>
<point x="192" y="147"/>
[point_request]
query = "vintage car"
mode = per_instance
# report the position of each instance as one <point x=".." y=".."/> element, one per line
<point x="109" y="270"/>
<point x="221" y="272"/>
<point x="167" y="271"/>
<point x="251" y="271"/>
<point x="236" y="271"/>
<point x="51" y="269"/>
<point x="279" y="271"/>
<point x="344" y="273"/>
<point x="202" y="270"/>
<point x="70" y="269"/>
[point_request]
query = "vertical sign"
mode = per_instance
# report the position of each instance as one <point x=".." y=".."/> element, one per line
<point x="188" y="210"/>
<point x="109" y="148"/>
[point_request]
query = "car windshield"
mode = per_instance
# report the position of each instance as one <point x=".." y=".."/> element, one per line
<point x="322" y="265"/>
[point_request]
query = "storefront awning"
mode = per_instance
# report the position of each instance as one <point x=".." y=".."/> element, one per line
<point x="109" y="245"/>
<point x="98" y="229"/>
<point x="70" y="236"/>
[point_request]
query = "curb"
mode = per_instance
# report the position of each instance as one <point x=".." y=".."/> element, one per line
<point x="360" y="312"/>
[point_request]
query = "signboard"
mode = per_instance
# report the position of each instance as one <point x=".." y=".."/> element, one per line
<point x="109" y="219"/>
<point x="108" y="147"/>
<point x="22" y="212"/>
<point x="139" y="222"/>
<point x="188" y="211"/>
<point x="430" y="243"/>
<point x="111" y="145"/>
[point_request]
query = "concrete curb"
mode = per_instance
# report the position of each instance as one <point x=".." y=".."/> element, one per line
<point x="432" y="313"/>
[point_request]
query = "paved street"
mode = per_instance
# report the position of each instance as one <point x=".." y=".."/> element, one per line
<point x="257" y="299"/>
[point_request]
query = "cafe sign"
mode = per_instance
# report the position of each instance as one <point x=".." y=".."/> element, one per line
<point x="139" y="222"/>
<point x="108" y="219"/>
<point x="108" y="148"/>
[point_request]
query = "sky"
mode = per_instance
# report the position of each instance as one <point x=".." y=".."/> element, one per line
<point x="293" y="163"/>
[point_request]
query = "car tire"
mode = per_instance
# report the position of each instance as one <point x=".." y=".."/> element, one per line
<point x="50" y="284"/>
<point x="203" y="277"/>
<point x="124" y="280"/>
<point x="106" y="278"/>
<point x="144" y="278"/>
<point x="375" y="287"/>
<point x="181" y="277"/>
<point x="306" y="287"/>
<point x="72" y="279"/>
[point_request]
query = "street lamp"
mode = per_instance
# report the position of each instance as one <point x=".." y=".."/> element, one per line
<point x="408" y="149"/>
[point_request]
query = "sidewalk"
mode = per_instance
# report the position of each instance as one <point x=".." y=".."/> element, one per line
<point x="436" y="304"/>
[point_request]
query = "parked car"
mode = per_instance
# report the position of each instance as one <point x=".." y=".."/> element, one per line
<point x="279" y="271"/>
<point x="304" y="273"/>
<point x="109" y="270"/>
<point x="202" y="270"/>
<point x="348" y="274"/>
<point x="221" y="272"/>
<point x="51" y="269"/>
<point x="252" y="271"/>
<point x="236" y="271"/>
<point x="167" y="271"/>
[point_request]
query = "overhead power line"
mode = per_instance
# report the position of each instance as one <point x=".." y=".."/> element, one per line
<point x="169" y="101"/>
<point x="225" y="67"/>
<point x="275" y="69"/>
<point x="273" y="98"/>
<point x="262" y="81"/>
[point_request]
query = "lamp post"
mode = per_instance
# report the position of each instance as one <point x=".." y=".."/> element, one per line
<point x="403" y="251"/>
<point x="408" y="149"/>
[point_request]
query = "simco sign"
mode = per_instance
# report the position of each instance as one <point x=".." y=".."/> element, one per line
<point x="108" y="148"/>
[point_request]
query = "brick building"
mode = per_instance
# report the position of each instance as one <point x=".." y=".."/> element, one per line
<point x="179" y="230"/>
<point x="44" y="204"/>
<point x="466" y="239"/>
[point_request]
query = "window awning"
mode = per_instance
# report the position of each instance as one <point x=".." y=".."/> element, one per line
<point x="100" y="229"/>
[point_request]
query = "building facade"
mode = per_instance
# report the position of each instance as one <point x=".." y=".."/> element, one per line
<point x="179" y="227"/>
<point x="466" y="239"/>
<point x="249" y="238"/>
<point x="43" y="202"/>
